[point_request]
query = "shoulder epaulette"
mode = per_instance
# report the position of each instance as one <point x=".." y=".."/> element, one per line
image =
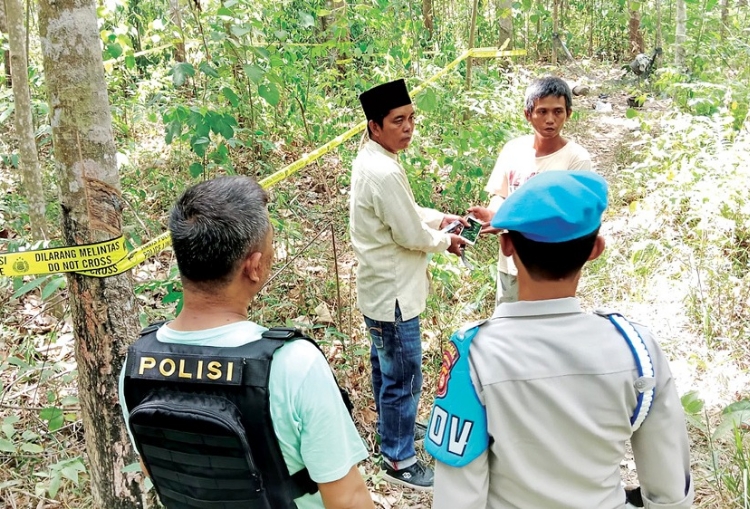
<point x="646" y="382"/>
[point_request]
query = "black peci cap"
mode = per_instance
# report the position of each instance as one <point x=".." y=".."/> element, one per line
<point x="378" y="101"/>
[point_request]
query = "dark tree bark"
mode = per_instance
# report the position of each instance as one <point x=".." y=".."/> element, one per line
<point x="427" y="15"/>
<point x="634" y="29"/>
<point x="104" y="310"/>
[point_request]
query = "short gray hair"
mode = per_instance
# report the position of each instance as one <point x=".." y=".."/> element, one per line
<point x="545" y="87"/>
<point x="215" y="224"/>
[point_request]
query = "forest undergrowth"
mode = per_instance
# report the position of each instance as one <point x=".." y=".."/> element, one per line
<point x="677" y="230"/>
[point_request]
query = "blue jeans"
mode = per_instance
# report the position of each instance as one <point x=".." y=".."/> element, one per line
<point x="396" y="357"/>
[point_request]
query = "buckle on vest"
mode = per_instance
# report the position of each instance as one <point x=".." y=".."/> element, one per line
<point x="152" y="328"/>
<point x="282" y="333"/>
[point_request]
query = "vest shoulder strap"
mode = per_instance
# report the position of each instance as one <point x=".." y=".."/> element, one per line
<point x="646" y="382"/>
<point x="291" y="334"/>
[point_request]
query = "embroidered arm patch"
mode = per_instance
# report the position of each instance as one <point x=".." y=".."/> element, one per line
<point x="457" y="431"/>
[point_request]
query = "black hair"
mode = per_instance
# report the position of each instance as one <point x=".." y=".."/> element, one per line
<point x="547" y="261"/>
<point x="378" y="119"/>
<point x="545" y="87"/>
<point x="215" y="224"/>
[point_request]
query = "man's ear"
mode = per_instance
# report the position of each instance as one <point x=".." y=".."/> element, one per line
<point x="570" y="113"/>
<point x="251" y="267"/>
<point x="374" y="127"/>
<point x="527" y="114"/>
<point x="506" y="245"/>
<point x="598" y="248"/>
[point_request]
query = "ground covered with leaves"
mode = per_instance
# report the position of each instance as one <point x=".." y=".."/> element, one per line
<point x="678" y="231"/>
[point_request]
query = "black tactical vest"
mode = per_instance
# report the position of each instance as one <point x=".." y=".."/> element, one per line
<point x="201" y="419"/>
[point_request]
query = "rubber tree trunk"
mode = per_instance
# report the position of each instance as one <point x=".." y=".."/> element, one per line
<point x="657" y="5"/>
<point x="724" y="18"/>
<point x="555" y="28"/>
<point x="176" y="15"/>
<point x="6" y="53"/>
<point x="31" y="173"/>
<point x="338" y="30"/>
<point x="680" y="34"/>
<point x="427" y="16"/>
<point x="634" y="29"/>
<point x="505" y="22"/>
<point x="472" y="35"/>
<point x="104" y="310"/>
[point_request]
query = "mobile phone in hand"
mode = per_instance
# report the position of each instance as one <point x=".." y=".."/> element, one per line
<point x="471" y="232"/>
<point x="451" y="228"/>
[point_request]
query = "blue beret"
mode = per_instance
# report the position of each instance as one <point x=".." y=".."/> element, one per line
<point x="555" y="206"/>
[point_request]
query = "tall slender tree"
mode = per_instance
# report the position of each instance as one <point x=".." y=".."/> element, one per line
<point x="724" y="18"/>
<point x="472" y="35"/>
<point x="179" y="35"/>
<point x="6" y="53"/>
<point x="31" y="173"/>
<point x="104" y="310"/>
<point x="427" y="16"/>
<point x="657" y="6"/>
<point x="634" y="28"/>
<point x="555" y="29"/>
<point x="680" y="34"/>
<point x="505" y="22"/>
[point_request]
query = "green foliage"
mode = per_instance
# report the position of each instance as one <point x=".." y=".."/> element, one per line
<point x="729" y="447"/>
<point x="688" y="231"/>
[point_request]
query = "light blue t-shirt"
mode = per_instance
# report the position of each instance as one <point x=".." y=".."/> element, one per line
<point x="309" y="417"/>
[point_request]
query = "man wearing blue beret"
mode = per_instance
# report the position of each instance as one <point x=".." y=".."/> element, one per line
<point x="535" y="405"/>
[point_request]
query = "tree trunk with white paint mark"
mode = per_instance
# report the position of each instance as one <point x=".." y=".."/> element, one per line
<point x="104" y="310"/>
<point x="31" y="173"/>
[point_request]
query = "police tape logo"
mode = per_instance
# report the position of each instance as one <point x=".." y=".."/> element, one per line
<point x="450" y="357"/>
<point x="21" y="266"/>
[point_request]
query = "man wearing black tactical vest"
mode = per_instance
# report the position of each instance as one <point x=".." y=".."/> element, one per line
<point x="225" y="413"/>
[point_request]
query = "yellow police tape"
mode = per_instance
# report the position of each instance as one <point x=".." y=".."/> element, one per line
<point x="84" y="258"/>
<point x="109" y="258"/>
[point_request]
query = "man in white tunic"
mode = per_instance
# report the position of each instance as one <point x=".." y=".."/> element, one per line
<point x="392" y="236"/>
<point x="548" y="105"/>
<point x="535" y="405"/>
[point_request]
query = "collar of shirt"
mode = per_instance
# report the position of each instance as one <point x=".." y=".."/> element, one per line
<point x="375" y="146"/>
<point x="230" y="335"/>
<point x="562" y="306"/>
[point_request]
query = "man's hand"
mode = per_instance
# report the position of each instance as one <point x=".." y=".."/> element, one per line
<point x="485" y="215"/>
<point x="449" y="218"/>
<point x="457" y="243"/>
<point x="482" y="214"/>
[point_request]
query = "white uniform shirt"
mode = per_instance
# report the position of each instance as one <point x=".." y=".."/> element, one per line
<point x="558" y="387"/>
<point x="391" y="236"/>
<point x="517" y="163"/>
